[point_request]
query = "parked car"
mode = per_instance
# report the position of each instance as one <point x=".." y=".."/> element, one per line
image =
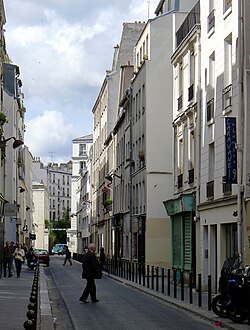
<point x="42" y="256"/>
<point x="58" y="249"/>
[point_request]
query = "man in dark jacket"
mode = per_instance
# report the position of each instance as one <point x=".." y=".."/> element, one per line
<point x="91" y="270"/>
<point x="7" y="258"/>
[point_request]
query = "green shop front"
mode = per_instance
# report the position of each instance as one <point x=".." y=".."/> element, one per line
<point x="182" y="215"/>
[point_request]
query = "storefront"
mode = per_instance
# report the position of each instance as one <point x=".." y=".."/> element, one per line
<point x="182" y="212"/>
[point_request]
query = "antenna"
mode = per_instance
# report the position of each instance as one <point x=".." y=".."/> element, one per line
<point x="51" y="153"/>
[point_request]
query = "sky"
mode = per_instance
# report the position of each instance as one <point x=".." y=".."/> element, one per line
<point x="63" y="49"/>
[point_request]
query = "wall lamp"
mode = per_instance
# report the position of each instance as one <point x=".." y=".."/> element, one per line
<point x="16" y="143"/>
<point x="109" y="177"/>
<point x="21" y="189"/>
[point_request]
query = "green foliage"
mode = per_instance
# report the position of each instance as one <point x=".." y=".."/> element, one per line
<point x="107" y="202"/>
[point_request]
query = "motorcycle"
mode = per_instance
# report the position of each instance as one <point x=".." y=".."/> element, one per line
<point x="237" y="307"/>
<point x="221" y="300"/>
<point x="31" y="261"/>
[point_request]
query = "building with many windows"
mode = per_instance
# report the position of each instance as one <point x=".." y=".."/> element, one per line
<point x="80" y="156"/>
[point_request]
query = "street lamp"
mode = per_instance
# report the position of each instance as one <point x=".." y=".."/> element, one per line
<point x="16" y="143"/>
<point x="109" y="177"/>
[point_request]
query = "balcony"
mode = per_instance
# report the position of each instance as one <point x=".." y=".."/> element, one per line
<point x="226" y="187"/>
<point x="210" y="21"/>
<point x="210" y="190"/>
<point x="227" y="5"/>
<point x="179" y="103"/>
<point x="227" y="98"/>
<point x="210" y="110"/>
<point x="191" y="92"/>
<point x="192" y="19"/>
<point x="191" y="176"/>
<point x="180" y="181"/>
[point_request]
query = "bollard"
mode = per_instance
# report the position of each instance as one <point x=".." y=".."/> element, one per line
<point x="136" y="273"/>
<point x="144" y="275"/>
<point x="29" y="325"/>
<point x="190" y="289"/>
<point x="31" y="315"/>
<point x="199" y="290"/>
<point x="147" y="276"/>
<point x="209" y="284"/>
<point x="175" y="283"/>
<point x="182" y="285"/>
<point x="140" y="272"/>
<point x="162" y="280"/>
<point x="157" y="278"/>
<point x="152" y="277"/>
<point x="133" y="272"/>
<point x="168" y="281"/>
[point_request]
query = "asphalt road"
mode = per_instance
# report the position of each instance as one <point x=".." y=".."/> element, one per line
<point x="120" y="307"/>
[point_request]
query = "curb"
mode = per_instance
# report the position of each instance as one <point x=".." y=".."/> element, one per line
<point x="45" y="313"/>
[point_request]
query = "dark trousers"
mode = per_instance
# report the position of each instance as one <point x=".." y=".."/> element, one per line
<point x="90" y="289"/>
<point x="67" y="258"/>
<point x="18" y="264"/>
<point x="7" y="263"/>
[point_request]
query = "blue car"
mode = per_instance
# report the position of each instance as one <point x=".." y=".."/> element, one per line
<point x="58" y="249"/>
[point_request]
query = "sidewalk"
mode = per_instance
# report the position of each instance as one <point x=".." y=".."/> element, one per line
<point x="14" y="299"/>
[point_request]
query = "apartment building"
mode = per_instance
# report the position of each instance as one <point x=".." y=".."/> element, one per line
<point x="57" y="179"/>
<point x="108" y="183"/>
<point x="151" y="143"/>
<point x="80" y="155"/>
<point x="181" y="207"/>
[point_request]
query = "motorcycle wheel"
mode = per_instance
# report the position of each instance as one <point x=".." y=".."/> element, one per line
<point x="237" y="316"/>
<point x="219" y="304"/>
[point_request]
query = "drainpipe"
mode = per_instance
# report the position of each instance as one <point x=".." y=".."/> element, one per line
<point x="240" y="128"/>
<point x="130" y="171"/>
<point x="198" y="146"/>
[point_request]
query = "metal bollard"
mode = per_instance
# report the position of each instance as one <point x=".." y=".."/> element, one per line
<point x="190" y="288"/>
<point x="147" y="276"/>
<point x="157" y="278"/>
<point x="209" y="284"/>
<point x="152" y="277"/>
<point x="175" y="283"/>
<point x="144" y="274"/>
<point x="140" y="273"/>
<point x="162" y="281"/>
<point x="182" y="285"/>
<point x="199" y="291"/>
<point x="168" y="281"/>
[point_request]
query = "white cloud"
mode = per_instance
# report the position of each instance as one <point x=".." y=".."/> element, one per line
<point x="48" y="133"/>
<point x="63" y="49"/>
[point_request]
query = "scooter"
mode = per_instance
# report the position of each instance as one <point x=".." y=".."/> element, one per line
<point x="221" y="300"/>
<point x="237" y="307"/>
<point x="31" y="261"/>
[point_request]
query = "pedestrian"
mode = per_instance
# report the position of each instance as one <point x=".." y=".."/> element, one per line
<point x="67" y="256"/>
<point x="24" y="247"/>
<point x="91" y="270"/>
<point x="7" y="258"/>
<point x="13" y="247"/>
<point x="19" y="256"/>
<point x="102" y="258"/>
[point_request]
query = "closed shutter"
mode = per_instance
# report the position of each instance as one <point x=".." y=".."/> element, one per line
<point x="187" y="253"/>
<point x="177" y="240"/>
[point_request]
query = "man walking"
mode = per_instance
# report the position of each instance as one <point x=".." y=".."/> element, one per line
<point x="67" y="256"/>
<point x="91" y="270"/>
<point x="7" y="259"/>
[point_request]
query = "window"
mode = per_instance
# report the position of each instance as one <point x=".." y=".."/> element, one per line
<point x="228" y="60"/>
<point x="211" y="162"/>
<point x="227" y="5"/>
<point x="82" y="149"/>
<point x="210" y="110"/>
<point x="211" y="17"/>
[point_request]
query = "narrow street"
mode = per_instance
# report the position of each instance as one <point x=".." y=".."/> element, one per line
<point x="120" y="307"/>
